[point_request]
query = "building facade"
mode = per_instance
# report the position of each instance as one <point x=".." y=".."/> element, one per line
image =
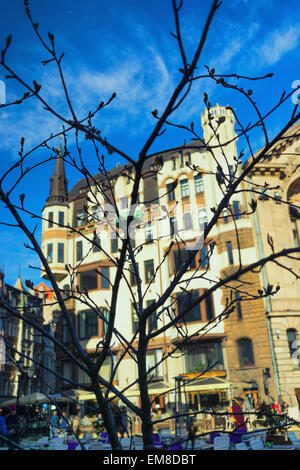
<point x="280" y="222"/>
<point x="182" y="183"/>
<point x="20" y="375"/>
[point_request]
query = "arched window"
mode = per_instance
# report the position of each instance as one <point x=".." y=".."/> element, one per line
<point x="245" y="352"/>
<point x="292" y="336"/>
<point x="293" y="196"/>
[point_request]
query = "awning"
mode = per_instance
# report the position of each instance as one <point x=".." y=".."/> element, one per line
<point x="156" y="388"/>
<point x="208" y="384"/>
<point x="30" y="399"/>
<point x="71" y="395"/>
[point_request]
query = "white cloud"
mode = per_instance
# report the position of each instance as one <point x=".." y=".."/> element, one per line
<point x="277" y="44"/>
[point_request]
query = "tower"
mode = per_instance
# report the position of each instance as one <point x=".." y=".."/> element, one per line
<point x="55" y="219"/>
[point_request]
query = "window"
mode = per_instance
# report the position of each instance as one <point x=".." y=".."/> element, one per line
<point x="180" y="256"/>
<point x="79" y="252"/>
<point x="185" y="188"/>
<point x="83" y="377"/>
<point x="88" y="280"/>
<point x="65" y="333"/>
<point x="96" y="245"/>
<point x="210" y="314"/>
<point x="202" y="355"/>
<point x="50" y="220"/>
<point x="133" y="279"/>
<point x="171" y="192"/>
<point x="181" y="160"/>
<point x="61" y="218"/>
<point x="108" y="366"/>
<point x="67" y="370"/>
<point x="114" y="245"/>
<point x="292" y="336"/>
<point x="50" y="253"/>
<point x="295" y="233"/>
<point x="152" y="320"/>
<point x="105" y="278"/>
<point x="225" y="216"/>
<point x="135" y="319"/>
<point x="187" y="221"/>
<point x="188" y="160"/>
<point x="203" y="311"/>
<point x="173" y="226"/>
<point x="202" y="217"/>
<point x="60" y="252"/>
<point x="173" y="163"/>
<point x="153" y="357"/>
<point x="198" y="184"/>
<point x="80" y="218"/>
<point x="88" y="324"/>
<point x="203" y="256"/>
<point x="149" y="270"/>
<point x="184" y="301"/>
<point x="105" y="313"/>
<point x="229" y="252"/>
<point x="231" y="173"/>
<point x="238" y="305"/>
<point x="245" y="352"/>
<point x="96" y="213"/>
<point x="124" y="202"/>
<point x="236" y="210"/>
<point x="148" y="232"/>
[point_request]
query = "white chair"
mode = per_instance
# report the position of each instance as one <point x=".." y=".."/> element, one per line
<point x="221" y="443"/>
<point x="96" y="446"/>
<point x="59" y="447"/>
<point x="125" y="442"/>
<point x="241" y="446"/>
<point x="262" y="435"/>
<point x="294" y="439"/>
<point x="57" y="440"/>
<point x="201" y="443"/>
<point x="257" y="444"/>
<point x="137" y="443"/>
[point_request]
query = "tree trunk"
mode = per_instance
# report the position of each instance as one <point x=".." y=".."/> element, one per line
<point x="108" y="418"/>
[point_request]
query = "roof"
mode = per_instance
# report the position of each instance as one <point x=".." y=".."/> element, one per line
<point x="81" y="185"/>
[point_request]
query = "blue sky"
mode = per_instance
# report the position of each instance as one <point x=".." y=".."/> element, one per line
<point x="124" y="46"/>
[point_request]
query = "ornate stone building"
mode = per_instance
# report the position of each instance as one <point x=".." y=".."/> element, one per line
<point x="18" y="381"/>
<point x="280" y="221"/>
<point x="241" y="346"/>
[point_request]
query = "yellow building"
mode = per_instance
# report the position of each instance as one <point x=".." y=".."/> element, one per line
<point x="188" y="205"/>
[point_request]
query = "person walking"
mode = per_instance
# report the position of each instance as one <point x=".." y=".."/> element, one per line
<point x="284" y="407"/>
<point x="12" y="420"/>
<point x="124" y="420"/>
<point x="76" y="424"/>
<point x="64" y="424"/>
<point x="54" y="424"/>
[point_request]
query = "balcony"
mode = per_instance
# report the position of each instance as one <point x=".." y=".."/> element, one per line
<point x="58" y="270"/>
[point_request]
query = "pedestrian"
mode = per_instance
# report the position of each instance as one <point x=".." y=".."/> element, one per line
<point x="76" y="424"/>
<point x="64" y="424"/>
<point x="240" y="423"/>
<point x="284" y="407"/>
<point x="276" y="408"/>
<point x="54" y="424"/>
<point x="118" y="418"/>
<point x="12" y="420"/>
<point x="124" y="420"/>
<point x="3" y="427"/>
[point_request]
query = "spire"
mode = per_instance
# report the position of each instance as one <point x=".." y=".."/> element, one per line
<point x="58" y="182"/>
<point x="19" y="285"/>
